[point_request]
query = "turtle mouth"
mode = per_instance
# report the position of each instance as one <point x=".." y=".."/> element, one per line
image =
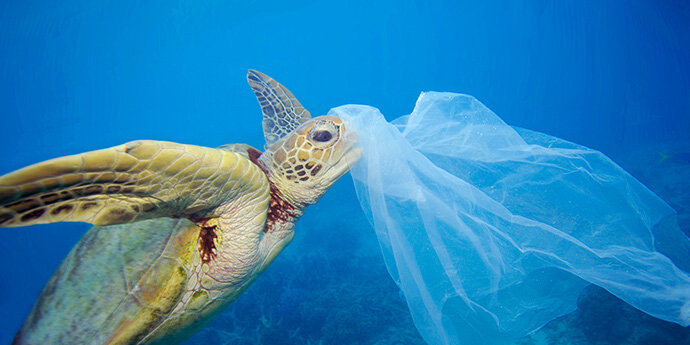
<point x="352" y="154"/>
<point x="351" y="157"/>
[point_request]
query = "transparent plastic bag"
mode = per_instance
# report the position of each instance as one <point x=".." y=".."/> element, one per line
<point x="492" y="231"/>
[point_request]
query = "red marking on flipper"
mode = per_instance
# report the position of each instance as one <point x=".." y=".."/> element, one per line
<point x="254" y="155"/>
<point x="207" y="241"/>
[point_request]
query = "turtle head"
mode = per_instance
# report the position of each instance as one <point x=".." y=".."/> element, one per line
<point x="304" y="156"/>
<point x="306" y="163"/>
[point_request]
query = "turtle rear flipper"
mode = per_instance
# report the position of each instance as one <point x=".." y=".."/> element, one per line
<point x="135" y="181"/>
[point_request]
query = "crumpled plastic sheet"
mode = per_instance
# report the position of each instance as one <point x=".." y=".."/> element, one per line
<point x="492" y="231"/>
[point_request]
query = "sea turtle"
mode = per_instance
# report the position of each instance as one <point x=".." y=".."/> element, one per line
<point x="181" y="230"/>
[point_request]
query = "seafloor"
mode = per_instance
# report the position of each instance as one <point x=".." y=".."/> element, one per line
<point x="330" y="286"/>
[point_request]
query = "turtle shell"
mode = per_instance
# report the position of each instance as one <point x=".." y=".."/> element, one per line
<point x="116" y="286"/>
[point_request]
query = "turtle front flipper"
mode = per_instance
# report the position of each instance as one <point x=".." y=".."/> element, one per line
<point x="135" y="181"/>
<point x="283" y="113"/>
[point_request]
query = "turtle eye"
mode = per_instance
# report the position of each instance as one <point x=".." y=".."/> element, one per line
<point x="323" y="133"/>
<point x="322" y="136"/>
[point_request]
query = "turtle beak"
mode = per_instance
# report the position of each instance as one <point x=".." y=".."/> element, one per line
<point x="352" y="154"/>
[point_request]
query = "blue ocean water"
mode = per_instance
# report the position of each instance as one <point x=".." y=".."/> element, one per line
<point x="78" y="76"/>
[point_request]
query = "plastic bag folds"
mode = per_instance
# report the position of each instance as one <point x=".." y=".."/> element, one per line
<point x="492" y="231"/>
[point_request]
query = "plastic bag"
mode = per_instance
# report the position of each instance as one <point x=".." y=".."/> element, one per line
<point x="492" y="231"/>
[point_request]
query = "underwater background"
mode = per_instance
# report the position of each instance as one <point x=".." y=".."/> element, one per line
<point x="83" y="75"/>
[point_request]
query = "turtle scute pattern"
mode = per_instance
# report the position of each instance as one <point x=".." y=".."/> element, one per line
<point x="143" y="282"/>
<point x="121" y="282"/>
<point x="135" y="181"/>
